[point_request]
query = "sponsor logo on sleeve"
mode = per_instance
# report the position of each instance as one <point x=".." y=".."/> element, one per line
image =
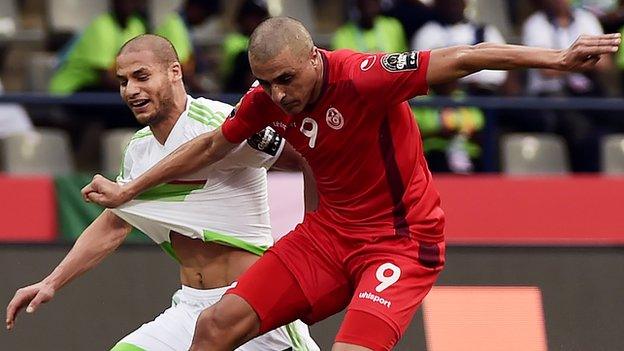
<point x="334" y="118"/>
<point x="368" y="63"/>
<point x="398" y="62"/>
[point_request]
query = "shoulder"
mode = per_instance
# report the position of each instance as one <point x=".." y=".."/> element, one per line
<point x="141" y="138"/>
<point x="211" y="106"/>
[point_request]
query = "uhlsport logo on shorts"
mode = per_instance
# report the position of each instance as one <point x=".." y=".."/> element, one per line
<point x="375" y="298"/>
<point x="334" y="118"/>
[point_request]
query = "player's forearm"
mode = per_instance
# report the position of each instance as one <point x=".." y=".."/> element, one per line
<point x="507" y="57"/>
<point x="100" y="239"/>
<point x="188" y="158"/>
<point x="456" y="62"/>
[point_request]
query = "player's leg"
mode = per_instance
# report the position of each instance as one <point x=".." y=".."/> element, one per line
<point x="293" y="280"/>
<point x="170" y="331"/>
<point x="390" y="286"/>
<point x="275" y="295"/>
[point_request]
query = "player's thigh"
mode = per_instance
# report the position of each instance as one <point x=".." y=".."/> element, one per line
<point x="270" y="292"/>
<point x="293" y="281"/>
<point x="171" y="330"/>
<point x="389" y="288"/>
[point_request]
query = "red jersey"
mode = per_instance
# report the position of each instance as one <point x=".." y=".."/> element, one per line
<point x="362" y="143"/>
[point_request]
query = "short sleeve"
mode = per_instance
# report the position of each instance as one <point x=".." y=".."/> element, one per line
<point x="255" y="112"/>
<point x="390" y="78"/>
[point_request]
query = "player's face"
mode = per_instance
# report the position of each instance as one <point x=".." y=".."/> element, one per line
<point x="288" y="79"/>
<point x="145" y="86"/>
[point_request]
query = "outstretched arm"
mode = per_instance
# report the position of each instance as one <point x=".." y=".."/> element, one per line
<point x="202" y="151"/>
<point x="101" y="238"/>
<point x="449" y="64"/>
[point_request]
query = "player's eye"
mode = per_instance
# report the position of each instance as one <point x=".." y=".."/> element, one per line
<point x="285" y="79"/>
<point x="143" y="78"/>
<point x="123" y="82"/>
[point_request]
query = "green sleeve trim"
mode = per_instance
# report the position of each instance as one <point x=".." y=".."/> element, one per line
<point x="295" y="339"/>
<point x="168" y="248"/>
<point x="172" y="192"/>
<point x="124" y="346"/>
<point x="234" y="242"/>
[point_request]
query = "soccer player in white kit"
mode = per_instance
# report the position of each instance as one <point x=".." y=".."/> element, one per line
<point x="215" y="222"/>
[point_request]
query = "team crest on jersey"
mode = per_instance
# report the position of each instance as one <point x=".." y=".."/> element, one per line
<point x="334" y="118"/>
<point x="403" y="61"/>
<point x="368" y="63"/>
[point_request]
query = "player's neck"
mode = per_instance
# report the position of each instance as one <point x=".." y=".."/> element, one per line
<point x="163" y="128"/>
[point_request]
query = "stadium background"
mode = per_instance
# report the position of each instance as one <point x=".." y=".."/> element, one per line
<point x="535" y="246"/>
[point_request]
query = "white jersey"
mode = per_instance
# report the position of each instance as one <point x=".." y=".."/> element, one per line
<point x="225" y="203"/>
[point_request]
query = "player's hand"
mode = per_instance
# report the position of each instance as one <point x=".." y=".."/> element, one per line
<point x="105" y="192"/>
<point x="31" y="296"/>
<point x="586" y="51"/>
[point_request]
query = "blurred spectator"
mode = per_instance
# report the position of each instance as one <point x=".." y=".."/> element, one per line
<point x="450" y="134"/>
<point x="235" y="68"/>
<point x="176" y="28"/>
<point x="451" y="27"/>
<point x="370" y="31"/>
<point x="88" y="64"/>
<point x="13" y="119"/>
<point x="412" y="14"/>
<point x="557" y="26"/>
<point x="610" y="13"/>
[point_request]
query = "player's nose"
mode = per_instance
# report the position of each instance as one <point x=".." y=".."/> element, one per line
<point x="277" y="94"/>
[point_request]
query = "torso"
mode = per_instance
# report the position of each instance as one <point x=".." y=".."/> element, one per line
<point x="206" y="265"/>
<point x="366" y="156"/>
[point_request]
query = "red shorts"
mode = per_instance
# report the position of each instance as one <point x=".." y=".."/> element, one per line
<point x="314" y="272"/>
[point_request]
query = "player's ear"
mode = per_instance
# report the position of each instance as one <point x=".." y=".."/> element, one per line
<point x="314" y="56"/>
<point x="175" y="70"/>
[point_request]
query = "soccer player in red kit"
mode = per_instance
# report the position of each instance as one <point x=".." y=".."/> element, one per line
<point x="375" y="245"/>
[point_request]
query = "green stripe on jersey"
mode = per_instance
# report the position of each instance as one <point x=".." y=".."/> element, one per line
<point x="124" y="346"/>
<point x="234" y="242"/>
<point x="204" y="120"/>
<point x="217" y="114"/>
<point x="170" y="192"/>
<point x="142" y="133"/>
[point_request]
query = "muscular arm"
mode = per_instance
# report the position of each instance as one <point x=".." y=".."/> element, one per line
<point x="101" y="238"/>
<point x="449" y="64"/>
<point x="202" y="151"/>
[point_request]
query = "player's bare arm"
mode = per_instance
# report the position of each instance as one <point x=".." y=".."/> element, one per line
<point x="100" y="239"/>
<point x="452" y="63"/>
<point x="200" y="152"/>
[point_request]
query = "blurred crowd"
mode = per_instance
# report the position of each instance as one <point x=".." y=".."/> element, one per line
<point x="84" y="62"/>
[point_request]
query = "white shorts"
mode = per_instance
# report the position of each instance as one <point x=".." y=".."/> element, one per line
<point x="173" y="329"/>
